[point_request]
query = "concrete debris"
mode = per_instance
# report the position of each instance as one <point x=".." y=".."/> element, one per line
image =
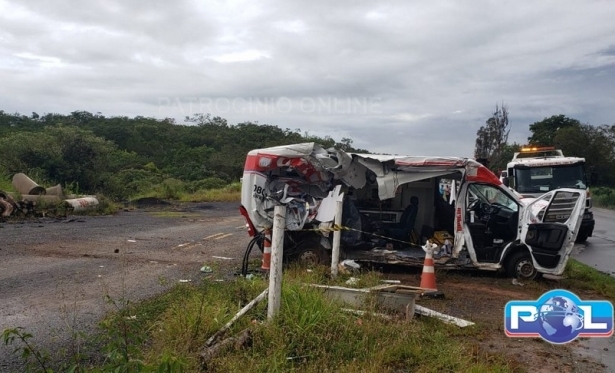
<point x="30" y="197"/>
<point x="25" y="185"/>
<point x="444" y="317"/>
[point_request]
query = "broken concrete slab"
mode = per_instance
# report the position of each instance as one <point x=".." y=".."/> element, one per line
<point x="402" y="303"/>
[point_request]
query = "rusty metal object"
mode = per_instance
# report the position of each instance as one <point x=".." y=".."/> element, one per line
<point x="55" y="191"/>
<point x="25" y="185"/>
<point x="7" y="205"/>
<point x="82" y="203"/>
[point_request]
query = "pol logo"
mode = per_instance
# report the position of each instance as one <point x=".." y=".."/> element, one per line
<point x="558" y="316"/>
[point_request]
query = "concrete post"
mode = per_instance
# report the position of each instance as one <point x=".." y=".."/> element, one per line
<point x="337" y="235"/>
<point x="275" y="273"/>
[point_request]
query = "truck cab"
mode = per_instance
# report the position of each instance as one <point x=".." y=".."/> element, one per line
<point x="392" y="205"/>
<point x="536" y="170"/>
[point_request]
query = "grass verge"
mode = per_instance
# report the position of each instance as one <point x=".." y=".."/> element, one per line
<point x="310" y="334"/>
<point x="579" y="276"/>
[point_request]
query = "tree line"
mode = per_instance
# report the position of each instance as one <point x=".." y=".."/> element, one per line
<point x="594" y="143"/>
<point x="122" y="157"/>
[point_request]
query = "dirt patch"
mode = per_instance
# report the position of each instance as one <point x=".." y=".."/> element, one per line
<point x="150" y="202"/>
<point x="482" y="299"/>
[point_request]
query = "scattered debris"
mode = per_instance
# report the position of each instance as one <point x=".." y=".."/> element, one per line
<point x="184" y="281"/>
<point x="516" y="282"/>
<point x="420" y="310"/>
<point x="348" y="266"/>
<point x="391" y="281"/>
<point x="206" y="269"/>
<point x="242" y="339"/>
<point x="241" y="312"/>
<point x="352" y="281"/>
<point x="33" y="196"/>
<point x="387" y="297"/>
<point x="222" y="257"/>
<point x="131" y="240"/>
<point x="361" y="313"/>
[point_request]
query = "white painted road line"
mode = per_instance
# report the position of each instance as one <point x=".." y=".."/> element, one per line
<point x="213" y="235"/>
<point x="223" y="236"/>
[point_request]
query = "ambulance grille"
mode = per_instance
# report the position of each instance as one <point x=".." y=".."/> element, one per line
<point x="561" y="208"/>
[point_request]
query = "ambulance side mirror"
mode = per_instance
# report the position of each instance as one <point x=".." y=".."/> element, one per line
<point x="506" y="182"/>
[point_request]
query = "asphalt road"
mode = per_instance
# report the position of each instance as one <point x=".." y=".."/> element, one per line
<point x="599" y="250"/>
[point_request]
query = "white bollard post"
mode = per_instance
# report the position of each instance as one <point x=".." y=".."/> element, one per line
<point x="275" y="273"/>
<point x="337" y="235"/>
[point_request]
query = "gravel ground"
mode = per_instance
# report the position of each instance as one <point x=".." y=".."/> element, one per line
<point x="55" y="274"/>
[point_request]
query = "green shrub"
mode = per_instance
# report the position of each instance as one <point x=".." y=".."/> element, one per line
<point x="603" y="196"/>
<point x="206" y="184"/>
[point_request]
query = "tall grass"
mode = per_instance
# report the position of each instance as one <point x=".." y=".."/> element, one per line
<point x="310" y="333"/>
<point x="603" y="197"/>
<point x="177" y="190"/>
<point x="581" y="276"/>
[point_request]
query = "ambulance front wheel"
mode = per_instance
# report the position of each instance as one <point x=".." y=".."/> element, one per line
<point x="310" y="254"/>
<point x="520" y="265"/>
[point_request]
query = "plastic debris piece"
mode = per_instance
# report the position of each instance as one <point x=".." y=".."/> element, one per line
<point x="516" y="282"/>
<point x="391" y="281"/>
<point x="351" y="264"/>
<point x="206" y="269"/>
<point x="221" y="257"/>
<point x="352" y="281"/>
<point x="132" y="240"/>
<point x="185" y="280"/>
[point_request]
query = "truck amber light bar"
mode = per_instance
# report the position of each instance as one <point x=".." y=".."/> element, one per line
<point x="538" y="149"/>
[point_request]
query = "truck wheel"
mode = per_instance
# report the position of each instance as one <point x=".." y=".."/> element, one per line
<point x="310" y="253"/>
<point x="519" y="265"/>
<point x="581" y="237"/>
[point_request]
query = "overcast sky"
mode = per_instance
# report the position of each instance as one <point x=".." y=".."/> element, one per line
<point x="407" y="77"/>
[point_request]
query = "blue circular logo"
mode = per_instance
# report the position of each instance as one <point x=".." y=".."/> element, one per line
<point x="560" y="319"/>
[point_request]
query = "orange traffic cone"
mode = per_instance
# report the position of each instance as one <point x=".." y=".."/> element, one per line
<point x="428" y="277"/>
<point x="266" y="263"/>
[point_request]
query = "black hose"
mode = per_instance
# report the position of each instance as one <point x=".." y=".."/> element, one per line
<point x="257" y="240"/>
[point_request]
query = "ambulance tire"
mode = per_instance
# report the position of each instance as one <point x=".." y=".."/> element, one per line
<point x="581" y="236"/>
<point x="310" y="253"/>
<point x="520" y="265"/>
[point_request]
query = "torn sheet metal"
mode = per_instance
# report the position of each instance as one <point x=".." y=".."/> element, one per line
<point x="301" y="176"/>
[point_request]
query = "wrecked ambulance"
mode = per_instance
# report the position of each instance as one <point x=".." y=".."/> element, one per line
<point x="392" y="204"/>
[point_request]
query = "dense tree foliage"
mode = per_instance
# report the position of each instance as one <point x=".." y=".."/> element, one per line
<point x="544" y="131"/>
<point x="121" y="156"/>
<point x="491" y="146"/>
<point x="594" y="143"/>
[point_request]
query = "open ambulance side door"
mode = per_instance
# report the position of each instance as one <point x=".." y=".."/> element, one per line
<point x="549" y="226"/>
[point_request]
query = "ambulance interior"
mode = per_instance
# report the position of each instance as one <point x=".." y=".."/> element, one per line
<point x="420" y="210"/>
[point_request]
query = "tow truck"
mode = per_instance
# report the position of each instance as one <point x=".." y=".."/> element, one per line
<point x="534" y="171"/>
<point x="394" y="204"/>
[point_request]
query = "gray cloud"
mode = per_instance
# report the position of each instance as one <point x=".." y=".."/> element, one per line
<point x="398" y="77"/>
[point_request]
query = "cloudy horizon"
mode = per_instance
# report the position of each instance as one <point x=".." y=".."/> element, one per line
<point x="415" y="77"/>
